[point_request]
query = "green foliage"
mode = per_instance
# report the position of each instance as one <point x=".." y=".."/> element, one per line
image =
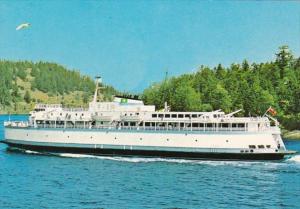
<point x="27" y="97"/>
<point x="251" y="87"/>
<point x="50" y="78"/>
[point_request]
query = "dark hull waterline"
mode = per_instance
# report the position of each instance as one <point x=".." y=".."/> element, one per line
<point x="151" y="153"/>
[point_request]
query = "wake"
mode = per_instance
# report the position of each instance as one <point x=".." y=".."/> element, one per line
<point x="295" y="159"/>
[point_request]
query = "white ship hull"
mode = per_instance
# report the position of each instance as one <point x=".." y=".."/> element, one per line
<point x="175" y="144"/>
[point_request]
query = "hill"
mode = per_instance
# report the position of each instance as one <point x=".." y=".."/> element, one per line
<point x="252" y="87"/>
<point x="24" y="83"/>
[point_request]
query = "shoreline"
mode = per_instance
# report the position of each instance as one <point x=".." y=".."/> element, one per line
<point x="291" y="135"/>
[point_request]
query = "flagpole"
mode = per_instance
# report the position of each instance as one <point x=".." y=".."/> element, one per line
<point x="266" y="111"/>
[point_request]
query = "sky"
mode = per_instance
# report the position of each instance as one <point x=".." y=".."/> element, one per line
<point x="132" y="43"/>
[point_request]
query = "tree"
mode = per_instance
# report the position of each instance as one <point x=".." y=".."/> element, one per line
<point x="283" y="58"/>
<point x="27" y="97"/>
<point x="186" y="99"/>
<point x="221" y="99"/>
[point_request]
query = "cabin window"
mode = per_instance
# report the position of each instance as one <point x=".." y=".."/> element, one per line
<point x="241" y="125"/>
<point x="153" y="124"/>
<point x="194" y="116"/>
<point x="161" y="115"/>
<point x="195" y="125"/>
<point x="268" y="146"/>
<point x="174" y="116"/>
<point x="187" y="116"/>
<point x="154" y="115"/>
<point x="224" y="125"/>
<point x="180" y="116"/>
<point x="147" y="124"/>
<point x="261" y="146"/>
<point x="209" y="125"/>
<point x="201" y="125"/>
<point x="137" y="113"/>
<point x="125" y="123"/>
<point x="167" y="115"/>
<point x="252" y="146"/>
<point x="181" y="125"/>
<point x="132" y="123"/>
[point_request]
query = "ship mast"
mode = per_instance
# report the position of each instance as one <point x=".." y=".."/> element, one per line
<point x="98" y="81"/>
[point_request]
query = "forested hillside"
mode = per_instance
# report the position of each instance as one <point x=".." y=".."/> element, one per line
<point x="23" y="83"/>
<point x="253" y="87"/>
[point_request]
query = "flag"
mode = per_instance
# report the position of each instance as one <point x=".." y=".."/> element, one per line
<point x="272" y="111"/>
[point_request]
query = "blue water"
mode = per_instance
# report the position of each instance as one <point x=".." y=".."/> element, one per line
<point x="33" y="180"/>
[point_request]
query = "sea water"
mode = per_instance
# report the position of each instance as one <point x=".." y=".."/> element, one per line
<point x="36" y="180"/>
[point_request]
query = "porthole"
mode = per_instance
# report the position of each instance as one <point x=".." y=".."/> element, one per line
<point x="196" y="140"/>
<point x="91" y="137"/>
<point x="141" y="139"/>
<point x="26" y="134"/>
<point x="167" y="139"/>
<point x="115" y="137"/>
<point x="251" y="150"/>
<point x="227" y="141"/>
<point x="68" y="136"/>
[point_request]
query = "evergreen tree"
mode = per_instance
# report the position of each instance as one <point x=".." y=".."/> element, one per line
<point x="27" y="97"/>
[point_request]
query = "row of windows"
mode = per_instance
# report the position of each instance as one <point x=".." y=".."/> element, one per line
<point x="259" y="146"/>
<point x="181" y="115"/>
<point x="175" y="115"/>
<point x="194" y="125"/>
<point x="76" y="114"/>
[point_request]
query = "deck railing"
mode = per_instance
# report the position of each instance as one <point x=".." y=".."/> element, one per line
<point x="22" y="124"/>
<point x="138" y="128"/>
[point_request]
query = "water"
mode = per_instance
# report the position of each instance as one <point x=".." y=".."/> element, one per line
<point x="34" y="180"/>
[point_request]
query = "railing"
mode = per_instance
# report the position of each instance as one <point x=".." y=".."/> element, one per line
<point x="139" y="128"/>
<point x="22" y="124"/>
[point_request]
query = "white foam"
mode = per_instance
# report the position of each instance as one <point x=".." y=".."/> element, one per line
<point x="295" y="158"/>
<point x="32" y="152"/>
<point x="167" y="160"/>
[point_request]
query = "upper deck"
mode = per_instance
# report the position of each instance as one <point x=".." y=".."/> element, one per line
<point x="132" y="114"/>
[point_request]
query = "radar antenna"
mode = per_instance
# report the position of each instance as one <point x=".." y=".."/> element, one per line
<point x="98" y="82"/>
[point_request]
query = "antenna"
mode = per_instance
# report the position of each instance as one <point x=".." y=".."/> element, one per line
<point x="166" y="107"/>
<point x="98" y="81"/>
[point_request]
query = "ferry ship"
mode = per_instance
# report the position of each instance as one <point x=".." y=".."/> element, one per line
<point x="128" y="127"/>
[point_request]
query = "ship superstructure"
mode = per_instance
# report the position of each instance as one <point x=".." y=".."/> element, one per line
<point x="127" y="127"/>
